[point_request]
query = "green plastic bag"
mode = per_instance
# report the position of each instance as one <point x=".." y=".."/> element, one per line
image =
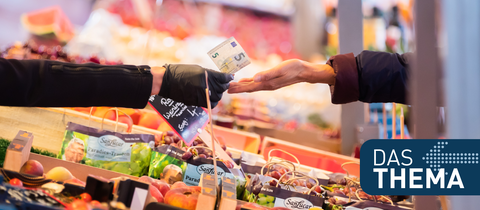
<point x="166" y="164"/>
<point x="123" y="153"/>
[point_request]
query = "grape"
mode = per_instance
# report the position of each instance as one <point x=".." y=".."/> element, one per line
<point x="338" y="191"/>
<point x="229" y="153"/>
<point x="275" y="174"/>
<point x="170" y="133"/>
<point x="187" y="155"/>
<point x="332" y="200"/>
<point x="343" y="182"/>
<point x="202" y="156"/>
<point x="273" y="183"/>
<point x="309" y="185"/>
<point x="200" y="150"/>
<point x="303" y="183"/>
<point x="262" y="201"/>
<point x="173" y="144"/>
<point x="270" y="199"/>
<point x="195" y="143"/>
<point x="228" y="164"/>
<point x="256" y="189"/>
<point x="53" y="57"/>
<point x="176" y="139"/>
<point x="168" y="140"/>
<point x="249" y="176"/>
<point x="224" y="147"/>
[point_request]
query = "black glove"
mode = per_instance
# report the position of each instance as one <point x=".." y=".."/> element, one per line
<point x="186" y="83"/>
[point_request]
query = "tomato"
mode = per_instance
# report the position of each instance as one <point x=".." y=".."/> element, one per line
<point x="16" y="182"/>
<point x="79" y="205"/>
<point x="85" y="197"/>
<point x="95" y="203"/>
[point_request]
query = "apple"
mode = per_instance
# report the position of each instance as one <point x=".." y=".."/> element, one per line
<point x="156" y="193"/>
<point x="184" y="197"/>
<point x="150" y="120"/>
<point x="164" y="127"/>
<point x="59" y="174"/>
<point x="100" y="112"/>
<point x="177" y="185"/>
<point x="146" y="179"/>
<point x="162" y="186"/>
<point x="32" y="167"/>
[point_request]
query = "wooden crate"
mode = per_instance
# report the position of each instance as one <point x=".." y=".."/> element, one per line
<point x="48" y="124"/>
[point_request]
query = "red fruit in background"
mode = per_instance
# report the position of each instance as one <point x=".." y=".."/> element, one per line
<point x="100" y="112"/>
<point x="275" y="174"/>
<point x="16" y="182"/>
<point x="254" y="206"/>
<point x="78" y="205"/>
<point x="318" y="189"/>
<point x="32" y="167"/>
<point x="177" y="185"/>
<point x="85" y="110"/>
<point x="162" y="186"/>
<point x="146" y="179"/>
<point x="95" y="203"/>
<point x="156" y="193"/>
<point x="150" y="120"/>
<point x="86" y="197"/>
<point x="75" y="181"/>
<point x="279" y="208"/>
<point x="184" y="197"/>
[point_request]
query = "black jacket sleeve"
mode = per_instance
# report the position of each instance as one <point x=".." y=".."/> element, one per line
<point x="370" y="77"/>
<point x="382" y="77"/>
<point x="44" y="83"/>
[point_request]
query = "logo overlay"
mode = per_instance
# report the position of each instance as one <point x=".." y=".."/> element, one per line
<point x="420" y="167"/>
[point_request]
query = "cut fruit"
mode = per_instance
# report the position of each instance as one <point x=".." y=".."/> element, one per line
<point x="50" y="20"/>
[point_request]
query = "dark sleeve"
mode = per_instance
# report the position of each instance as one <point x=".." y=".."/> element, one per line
<point x="44" y="83"/>
<point x="370" y="77"/>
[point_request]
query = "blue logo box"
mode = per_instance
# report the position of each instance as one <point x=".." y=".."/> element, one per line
<point x="420" y="167"/>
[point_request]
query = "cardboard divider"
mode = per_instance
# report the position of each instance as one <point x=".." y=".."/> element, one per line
<point x="310" y="157"/>
<point x="242" y="140"/>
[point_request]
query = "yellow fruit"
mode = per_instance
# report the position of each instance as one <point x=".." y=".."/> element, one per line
<point x="59" y="174"/>
<point x="315" y="208"/>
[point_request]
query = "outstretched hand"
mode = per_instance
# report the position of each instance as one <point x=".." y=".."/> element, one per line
<point x="286" y="73"/>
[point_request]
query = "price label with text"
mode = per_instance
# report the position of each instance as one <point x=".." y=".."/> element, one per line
<point x="184" y="120"/>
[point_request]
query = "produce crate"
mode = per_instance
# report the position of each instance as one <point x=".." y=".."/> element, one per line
<point x="309" y="156"/>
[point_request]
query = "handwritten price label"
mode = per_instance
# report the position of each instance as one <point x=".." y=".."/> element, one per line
<point x="184" y="120"/>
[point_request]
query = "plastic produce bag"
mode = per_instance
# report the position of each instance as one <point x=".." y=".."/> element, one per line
<point x="260" y="192"/>
<point x="123" y="153"/>
<point x="166" y="163"/>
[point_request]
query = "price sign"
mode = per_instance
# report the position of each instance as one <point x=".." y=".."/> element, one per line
<point x="184" y="120"/>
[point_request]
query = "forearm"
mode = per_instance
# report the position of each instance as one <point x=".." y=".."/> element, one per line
<point x="370" y="77"/>
<point x="43" y="83"/>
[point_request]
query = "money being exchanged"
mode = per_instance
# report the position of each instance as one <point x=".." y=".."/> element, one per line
<point x="229" y="56"/>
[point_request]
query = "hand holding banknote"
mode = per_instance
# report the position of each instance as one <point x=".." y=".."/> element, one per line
<point x="229" y="56"/>
<point x="286" y="73"/>
<point x="186" y="83"/>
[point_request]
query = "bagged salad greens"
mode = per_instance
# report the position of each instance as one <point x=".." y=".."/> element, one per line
<point x="124" y="153"/>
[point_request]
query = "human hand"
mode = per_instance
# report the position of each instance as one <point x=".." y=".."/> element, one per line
<point x="186" y="83"/>
<point x="286" y="73"/>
